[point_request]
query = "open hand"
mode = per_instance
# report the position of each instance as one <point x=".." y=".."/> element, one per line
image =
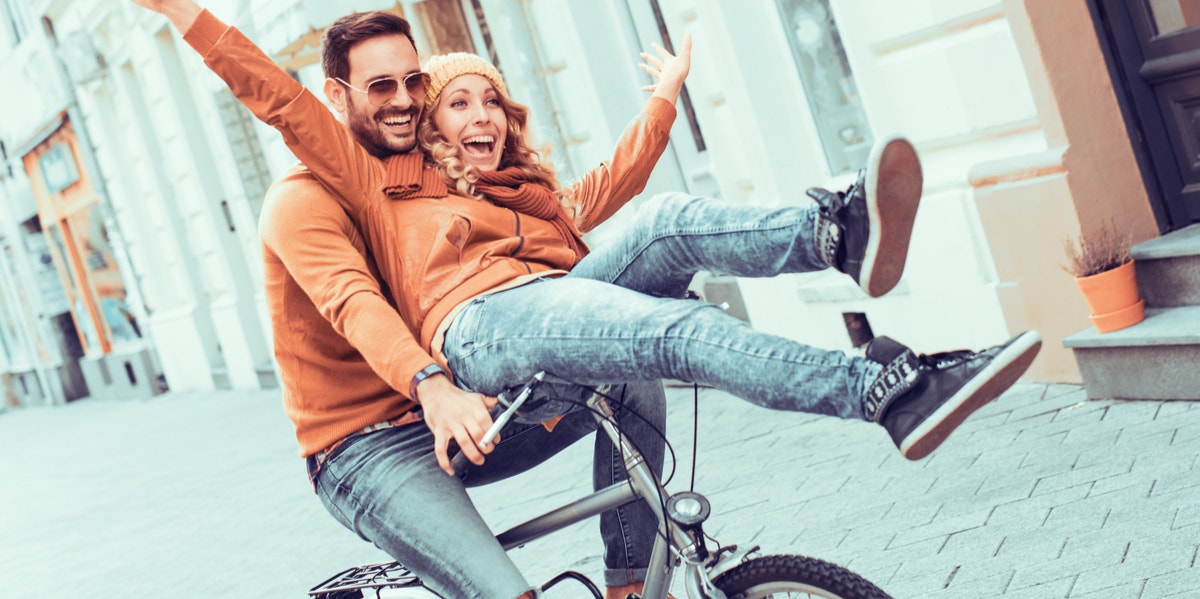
<point x="668" y="70"/>
<point x="454" y="414"/>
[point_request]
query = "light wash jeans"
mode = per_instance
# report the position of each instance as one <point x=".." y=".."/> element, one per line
<point x="616" y="316"/>
<point x="387" y="487"/>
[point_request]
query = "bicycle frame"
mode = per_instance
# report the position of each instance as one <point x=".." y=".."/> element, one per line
<point x="642" y="485"/>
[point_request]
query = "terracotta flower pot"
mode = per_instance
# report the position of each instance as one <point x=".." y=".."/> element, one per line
<point x="1113" y="298"/>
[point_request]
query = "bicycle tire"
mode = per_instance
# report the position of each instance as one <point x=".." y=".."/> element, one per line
<point x="795" y="576"/>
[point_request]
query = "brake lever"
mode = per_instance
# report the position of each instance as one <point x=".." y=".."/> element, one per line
<point x="511" y="408"/>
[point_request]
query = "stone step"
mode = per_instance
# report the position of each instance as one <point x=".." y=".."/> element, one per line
<point x="1168" y="268"/>
<point x="1156" y="359"/>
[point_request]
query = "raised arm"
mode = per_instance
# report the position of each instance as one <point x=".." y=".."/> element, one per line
<point x="606" y="188"/>
<point x="309" y="129"/>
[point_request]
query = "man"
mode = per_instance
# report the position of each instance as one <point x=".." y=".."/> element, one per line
<point x="343" y="390"/>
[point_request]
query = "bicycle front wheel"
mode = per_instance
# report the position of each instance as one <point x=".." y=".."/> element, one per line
<point x="795" y="576"/>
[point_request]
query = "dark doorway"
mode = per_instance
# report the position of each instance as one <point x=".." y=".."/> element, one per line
<point x="1154" y="51"/>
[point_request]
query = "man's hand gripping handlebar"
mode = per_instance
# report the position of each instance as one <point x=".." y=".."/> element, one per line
<point x="511" y="408"/>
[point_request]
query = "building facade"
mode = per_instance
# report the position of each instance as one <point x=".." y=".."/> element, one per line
<point x="139" y="177"/>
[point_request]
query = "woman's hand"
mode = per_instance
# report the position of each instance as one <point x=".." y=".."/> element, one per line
<point x="668" y="70"/>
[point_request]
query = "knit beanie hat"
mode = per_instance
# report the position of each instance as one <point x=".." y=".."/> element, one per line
<point x="444" y="68"/>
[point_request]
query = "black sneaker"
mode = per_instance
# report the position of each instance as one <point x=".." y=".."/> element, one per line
<point x="920" y="400"/>
<point x="864" y="231"/>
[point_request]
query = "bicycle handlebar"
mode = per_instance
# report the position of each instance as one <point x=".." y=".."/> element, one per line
<point x="511" y="408"/>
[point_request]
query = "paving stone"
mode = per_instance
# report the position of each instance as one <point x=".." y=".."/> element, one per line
<point x="1078" y="515"/>
<point x="1033" y="545"/>
<point x="1097" y="440"/>
<point x="1094" y="547"/>
<point x="1005" y="485"/>
<point x="1188" y="435"/>
<point x="1147" y="438"/>
<point x="940" y="528"/>
<point x="1156" y="556"/>
<point x="976" y="544"/>
<point x="1080" y="474"/>
<point x="1040" y="589"/>
<point x="1141" y="517"/>
<point x="1130" y="485"/>
<point x="1181" y="583"/>
<point x="1187" y="515"/>
<point x="1050" y="461"/>
<point x="969" y="583"/>
<point x="1129" y="590"/>
<point x="1179" y="483"/>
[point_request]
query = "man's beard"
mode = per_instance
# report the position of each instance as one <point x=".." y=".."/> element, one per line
<point x="368" y="132"/>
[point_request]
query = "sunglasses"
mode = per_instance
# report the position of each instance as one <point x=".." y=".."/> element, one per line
<point x="381" y="91"/>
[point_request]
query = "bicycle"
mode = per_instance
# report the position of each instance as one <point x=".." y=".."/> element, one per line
<point x="728" y="572"/>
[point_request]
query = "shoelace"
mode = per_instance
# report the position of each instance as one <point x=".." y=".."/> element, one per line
<point x="832" y="203"/>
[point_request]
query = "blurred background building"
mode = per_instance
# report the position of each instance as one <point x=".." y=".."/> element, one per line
<point x="132" y="179"/>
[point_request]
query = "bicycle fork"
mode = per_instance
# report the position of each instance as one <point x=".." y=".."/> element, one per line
<point x="687" y="544"/>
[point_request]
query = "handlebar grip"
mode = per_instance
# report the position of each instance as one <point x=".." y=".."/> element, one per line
<point x="512" y="408"/>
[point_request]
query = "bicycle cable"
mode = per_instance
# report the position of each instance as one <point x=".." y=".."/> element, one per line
<point x="695" y="431"/>
<point x="619" y="404"/>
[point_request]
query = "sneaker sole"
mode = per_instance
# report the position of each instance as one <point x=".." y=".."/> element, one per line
<point x="893" y="189"/>
<point x="987" y="385"/>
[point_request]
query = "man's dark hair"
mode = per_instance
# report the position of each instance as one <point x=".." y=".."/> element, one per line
<point x="355" y="28"/>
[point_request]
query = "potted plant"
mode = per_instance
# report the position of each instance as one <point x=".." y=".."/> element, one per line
<point x="1103" y="268"/>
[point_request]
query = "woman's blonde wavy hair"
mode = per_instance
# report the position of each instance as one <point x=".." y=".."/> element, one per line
<point x="517" y="154"/>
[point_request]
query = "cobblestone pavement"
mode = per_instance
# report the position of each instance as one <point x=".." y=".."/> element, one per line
<point x="1041" y="494"/>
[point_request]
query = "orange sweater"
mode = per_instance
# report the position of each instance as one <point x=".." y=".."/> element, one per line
<point x="313" y="254"/>
<point x="434" y="253"/>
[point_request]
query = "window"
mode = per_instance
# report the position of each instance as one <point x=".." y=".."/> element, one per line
<point x="247" y="153"/>
<point x="828" y="82"/>
<point x="1171" y="16"/>
<point x="445" y="27"/>
<point x="15" y="19"/>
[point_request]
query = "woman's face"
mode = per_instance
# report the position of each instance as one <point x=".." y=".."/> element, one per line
<point x="471" y="117"/>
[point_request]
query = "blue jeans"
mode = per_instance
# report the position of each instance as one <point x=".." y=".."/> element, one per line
<point x="616" y="316"/>
<point x="387" y="487"/>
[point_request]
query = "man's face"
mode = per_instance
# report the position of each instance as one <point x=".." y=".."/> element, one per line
<point x="391" y="128"/>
